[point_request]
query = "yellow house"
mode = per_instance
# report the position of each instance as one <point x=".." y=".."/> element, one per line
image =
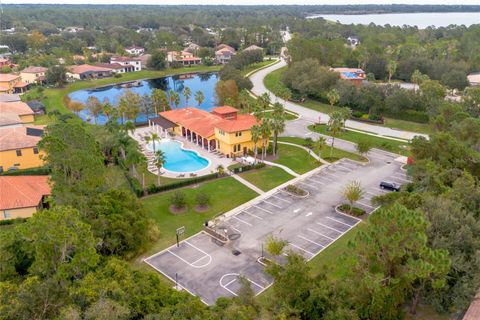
<point x="22" y="196"/>
<point x="20" y="109"/>
<point x="222" y="130"/>
<point x="11" y="83"/>
<point x="33" y="75"/>
<point x="18" y="147"/>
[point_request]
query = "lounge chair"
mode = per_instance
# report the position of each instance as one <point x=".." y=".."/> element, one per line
<point x="181" y="175"/>
<point x="193" y="174"/>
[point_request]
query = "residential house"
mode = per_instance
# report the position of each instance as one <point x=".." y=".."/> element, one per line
<point x="354" y="75"/>
<point x="474" y="78"/>
<point x="144" y="60"/>
<point x="5" y="97"/>
<point x="193" y="48"/>
<point x="223" y="129"/>
<point x="253" y="48"/>
<point x="184" y="58"/>
<point x="133" y="61"/>
<point x="22" y="196"/>
<point x="20" y="109"/>
<point x="12" y="83"/>
<point x="117" y="67"/>
<point x="86" y="71"/>
<point x="34" y="75"/>
<point x="6" y="62"/>
<point x="18" y="147"/>
<point x="353" y="41"/>
<point x="224" y="55"/>
<point x="135" y="50"/>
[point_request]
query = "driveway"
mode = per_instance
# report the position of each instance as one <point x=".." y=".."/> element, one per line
<point x="312" y="115"/>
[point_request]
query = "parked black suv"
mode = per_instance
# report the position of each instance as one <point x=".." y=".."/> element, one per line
<point x="389" y="186"/>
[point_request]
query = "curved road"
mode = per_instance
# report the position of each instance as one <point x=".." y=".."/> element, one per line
<point x="316" y="116"/>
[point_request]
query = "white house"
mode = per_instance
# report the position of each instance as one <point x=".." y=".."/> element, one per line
<point x="135" y="50"/>
<point x="474" y="78"/>
<point x="135" y="62"/>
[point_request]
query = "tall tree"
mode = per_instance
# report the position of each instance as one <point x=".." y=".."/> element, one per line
<point x="335" y="125"/>
<point x="353" y="192"/>
<point x="199" y="97"/>
<point x="187" y="93"/>
<point x="159" y="100"/>
<point x="159" y="161"/>
<point x="278" y="119"/>
<point x="94" y="107"/>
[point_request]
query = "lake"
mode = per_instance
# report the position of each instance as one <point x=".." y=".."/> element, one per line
<point x="204" y="82"/>
<point x="421" y="20"/>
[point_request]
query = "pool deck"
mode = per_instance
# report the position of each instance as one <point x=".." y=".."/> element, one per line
<point x="215" y="159"/>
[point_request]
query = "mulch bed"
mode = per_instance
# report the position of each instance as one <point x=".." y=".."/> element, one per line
<point x="176" y="210"/>
<point x="201" y="209"/>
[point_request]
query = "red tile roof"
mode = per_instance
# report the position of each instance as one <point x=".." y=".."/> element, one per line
<point x="34" y="70"/>
<point x="124" y="59"/>
<point x="23" y="191"/>
<point x="242" y="123"/>
<point x="6" y="77"/>
<point x="83" y="68"/>
<point x="204" y="123"/>
<point x="473" y="312"/>
<point x="17" y="138"/>
<point x="20" y="84"/>
<point x="224" y="110"/>
<point x="18" y="108"/>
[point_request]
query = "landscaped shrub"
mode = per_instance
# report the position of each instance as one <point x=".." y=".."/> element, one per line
<point x="411" y="115"/>
<point x="178" y="200"/>
<point x="12" y="221"/>
<point x="295" y="190"/>
<point x="345" y="208"/>
<point x="202" y="199"/>
<point x="247" y="167"/>
<point x="357" y="114"/>
<point x="41" y="171"/>
<point x="134" y="185"/>
<point x="181" y="183"/>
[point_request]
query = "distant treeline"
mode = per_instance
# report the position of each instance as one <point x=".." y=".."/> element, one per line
<point x="156" y="16"/>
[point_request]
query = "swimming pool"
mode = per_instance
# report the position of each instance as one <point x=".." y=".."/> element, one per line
<point x="178" y="159"/>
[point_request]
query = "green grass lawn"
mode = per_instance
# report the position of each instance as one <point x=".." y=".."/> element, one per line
<point x="256" y="66"/>
<point x="296" y="159"/>
<point x="267" y="178"/>
<point x="376" y="142"/>
<point x="274" y="79"/>
<point x="53" y="97"/>
<point x="225" y="194"/>
<point x="336" y="155"/>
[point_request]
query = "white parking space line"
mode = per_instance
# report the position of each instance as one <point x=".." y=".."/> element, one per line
<point x="328" y="227"/>
<point x="325" y="177"/>
<point x="300" y="248"/>
<point x="248" y="224"/>
<point x="401" y="179"/>
<point x="311" y="241"/>
<point x="296" y="210"/>
<point x="366" y="205"/>
<point x="273" y="204"/>
<point x="311" y="180"/>
<point x="321" y="234"/>
<point x="261" y="287"/>
<point x="343" y="167"/>
<point x="281" y="199"/>
<point x="230" y="282"/>
<point x="350" y="217"/>
<point x="372" y="193"/>
<point x="253" y="215"/>
<point x="268" y="211"/>
<point x="308" y="185"/>
<point x="333" y="219"/>
<point x="236" y="229"/>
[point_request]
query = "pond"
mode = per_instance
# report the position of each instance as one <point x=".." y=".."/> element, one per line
<point x="204" y="82"/>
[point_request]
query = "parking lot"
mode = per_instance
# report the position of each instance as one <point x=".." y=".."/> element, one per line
<point x="210" y="269"/>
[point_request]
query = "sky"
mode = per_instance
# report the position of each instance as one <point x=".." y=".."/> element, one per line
<point x="246" y="2"/>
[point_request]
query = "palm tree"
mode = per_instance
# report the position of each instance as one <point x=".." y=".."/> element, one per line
<point x="220" y="170"/>
<point x="352" y="193"/>
<point x="256" y="133"/>
<point x="122" y="108"/>
<point x="266" y="132"/>
<point x="129" y="127"/>
<point x="199" y="97"/>
<point x="335" y="124"/>
<point x="146" y="105"/>
<point x="264" y="102"/>
<point x="277" y="124"/>
<point x="147" y="139"/>
<point x="171" y="98"/>
<point x="159" y="161"/>
<point x="333" y="97"/>
<point x="153" y="137"/>
<point x="319" y="144"/>
<point x="95" y="107"/>
<point x="187" y="93"/>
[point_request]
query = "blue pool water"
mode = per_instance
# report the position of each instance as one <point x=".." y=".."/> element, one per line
<point x="204" y="82"/>
<point x="178" y="159"/>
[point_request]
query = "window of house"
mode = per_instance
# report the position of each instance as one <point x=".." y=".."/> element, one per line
<point x="238" y="134"/>
<point x="35" y="150"/>
<point x="1" y="169"/>
<point x="19" y="153"/>
<point x="7" y="214"/>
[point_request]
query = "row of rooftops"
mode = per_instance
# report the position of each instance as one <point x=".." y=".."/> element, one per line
<point x="23" y="191"/>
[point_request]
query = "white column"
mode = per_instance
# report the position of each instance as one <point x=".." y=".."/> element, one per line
<point x="202" y="142"/>
<point x="208" y="145"/>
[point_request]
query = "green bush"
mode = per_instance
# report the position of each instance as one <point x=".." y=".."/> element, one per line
<point x="40" y="171"/>
<point x="134" y="185"/>
<point x="178" y="200"/>
<point x="12" y="221"/>
<point x="247" y="167"/>
<point x="179" y="184"/>
<point x="117" y="75"/>
<point x="411" y="115"/>
<point x="202" y="199"/>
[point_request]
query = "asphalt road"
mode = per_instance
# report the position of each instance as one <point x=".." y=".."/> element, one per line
<point x="312" y="115"/>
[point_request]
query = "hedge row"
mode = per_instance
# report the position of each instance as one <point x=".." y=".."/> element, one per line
<point x="12" y="221"/>
<point x="40" y="171"/>
<point x="181" y="183"/>
<point x="248" y="167"/>
<point x="411" y="115"/>
<point x="134" y="185"/>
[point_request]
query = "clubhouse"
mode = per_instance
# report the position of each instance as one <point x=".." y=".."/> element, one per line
<point x="223" y="130"/>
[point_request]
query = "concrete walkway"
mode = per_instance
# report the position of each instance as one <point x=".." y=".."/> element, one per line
<point x="316" y="116"/>
<point x="248" y="184"/>
<point x="287" y="169"/>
